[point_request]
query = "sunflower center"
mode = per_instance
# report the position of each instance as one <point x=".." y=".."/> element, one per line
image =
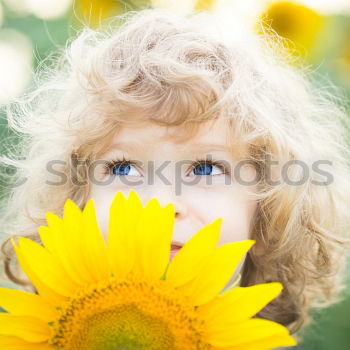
<point x="124" y="328"/>
<point x="128" y="314"/>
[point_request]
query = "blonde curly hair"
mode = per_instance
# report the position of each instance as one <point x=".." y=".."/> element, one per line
<point x="182" y="71"/>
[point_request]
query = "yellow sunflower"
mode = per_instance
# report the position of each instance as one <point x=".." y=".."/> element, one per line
<point x="205" y="5"/>
<point x="301" y="25"/>
<point x="124" y="293"/>
<point x="94" y="13"/>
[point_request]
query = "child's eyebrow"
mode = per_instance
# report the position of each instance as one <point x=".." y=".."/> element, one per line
<point x="210" y="146"/>
<point x="197" y="147"/>
<point x="128" y="146"/>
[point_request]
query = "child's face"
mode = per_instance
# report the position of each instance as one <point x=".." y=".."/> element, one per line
<point x="197" y="201"/>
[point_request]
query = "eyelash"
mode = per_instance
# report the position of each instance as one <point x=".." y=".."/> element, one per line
<point x="109" y="165"/>
<point x="220" y="165"/>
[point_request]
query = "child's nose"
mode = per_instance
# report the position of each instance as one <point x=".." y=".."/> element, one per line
<point x="166" y="196"/>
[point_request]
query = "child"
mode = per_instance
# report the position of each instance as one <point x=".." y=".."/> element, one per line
<point x="219" y="125"/>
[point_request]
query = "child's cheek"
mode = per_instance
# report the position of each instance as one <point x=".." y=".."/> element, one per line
<point x="229" y="203"/>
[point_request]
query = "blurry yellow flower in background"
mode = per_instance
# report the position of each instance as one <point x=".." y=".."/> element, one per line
<point x="342" y="60"/>
<point x="93" y="13"/>
<point x="296" y="22"/>
<point x="345" y="57"/>
<point x="203" y="5"/>
<point x="126" y="295"/>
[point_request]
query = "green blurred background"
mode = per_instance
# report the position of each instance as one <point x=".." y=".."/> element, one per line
<point x="318" y="33"/>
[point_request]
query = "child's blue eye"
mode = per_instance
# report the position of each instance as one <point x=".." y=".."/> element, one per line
<point x="205" y="167"/>
<point x="123" y="167"/>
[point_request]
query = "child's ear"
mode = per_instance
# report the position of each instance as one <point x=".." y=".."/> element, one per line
<point x="257" y="249"/>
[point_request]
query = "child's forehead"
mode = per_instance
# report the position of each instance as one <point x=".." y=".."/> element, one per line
<point x="206" y="131"/>
<point x="213" y="135"/>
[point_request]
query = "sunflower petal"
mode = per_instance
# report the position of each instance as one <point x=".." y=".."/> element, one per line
<point x="124" y="217"/>
<point x="162" y="253"/>
<point x="27" y="328"/>
<point x="95" y="246"/>
<point x="46" y="267"/>
<point x="20" y="303"/>
<point x="253" y="330"/>
<point x="187" y="263"/>
<point x="262" y="344"/>
<point x="46" y="292"/>
<point x="47" y="239"/>
<point x="74" y="251"/>
<point x="62" y="242"/>
<point x="78" y="241"/>
<point x="15" y="343"/>
<point x="240" y="303"/>
<point x="208" y="282"/>
<point x="154" y="239"/>
<point x="56" y="241"/>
